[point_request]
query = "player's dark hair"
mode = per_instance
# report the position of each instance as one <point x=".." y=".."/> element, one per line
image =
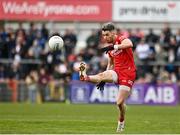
<point x="108" y="27"/>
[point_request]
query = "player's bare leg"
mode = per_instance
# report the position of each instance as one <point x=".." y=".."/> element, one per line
<point x="124" y="92"/>
<point x="106" y="76"/>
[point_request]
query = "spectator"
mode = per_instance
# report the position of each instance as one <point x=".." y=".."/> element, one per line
<point x="143" y="51"/>
<point x="2" y="73"/>
<point x="31" y="81"/>
<point x="21" y="30"/>
<point x="13" y="84"/>
<point x="44" y="32"/>
<point x="178" y="54"/>
<point x="93" y="40"/>
<point x="75" y="71"/>
<point x="151" y="38"/>
<point x="144" y="54"/>
<point x="160" y="55"/>
<point x="43" y="84"/>
<point x="70" y="41"/>
<point x="167" y="34"/>
<point x="133" y="37"/>
<point x="178" y="37"/>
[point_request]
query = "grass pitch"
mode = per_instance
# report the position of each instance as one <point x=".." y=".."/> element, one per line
<point x="56" y="118"/>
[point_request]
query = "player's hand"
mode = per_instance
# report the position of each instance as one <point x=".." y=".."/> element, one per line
<point x="100" y="86"/>
<point x="116" y="47"/>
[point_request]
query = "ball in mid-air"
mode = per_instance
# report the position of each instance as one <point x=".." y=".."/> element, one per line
<point x="56" y="43"/>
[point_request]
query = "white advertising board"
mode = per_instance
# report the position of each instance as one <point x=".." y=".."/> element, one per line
<point x="146" y="11"/>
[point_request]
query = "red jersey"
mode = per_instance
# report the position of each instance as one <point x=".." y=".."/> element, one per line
<point x="124" y="64"/>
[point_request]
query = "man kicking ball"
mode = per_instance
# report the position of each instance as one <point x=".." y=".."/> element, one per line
<point x="121" y="68"/>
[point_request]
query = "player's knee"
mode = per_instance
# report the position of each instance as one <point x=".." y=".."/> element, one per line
<point x="120" y="102"/>
<point x="101" y="76"/>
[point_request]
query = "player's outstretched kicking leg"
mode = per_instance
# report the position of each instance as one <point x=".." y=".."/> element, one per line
<point x="109" y="76"/>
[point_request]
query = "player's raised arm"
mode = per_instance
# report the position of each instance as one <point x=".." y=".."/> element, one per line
<point x="126" y="43"/>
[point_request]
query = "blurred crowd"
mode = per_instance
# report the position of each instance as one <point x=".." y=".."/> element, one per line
<point x="157" y="56"/>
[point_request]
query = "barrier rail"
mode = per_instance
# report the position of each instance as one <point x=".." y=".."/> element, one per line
<point x="19" y="91"/>
<point x="139" y="63"/>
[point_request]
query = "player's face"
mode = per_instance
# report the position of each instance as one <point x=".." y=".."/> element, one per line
<point x="108" y="36"/>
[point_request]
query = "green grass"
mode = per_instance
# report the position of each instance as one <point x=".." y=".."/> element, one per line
<point x="95" y="119"/>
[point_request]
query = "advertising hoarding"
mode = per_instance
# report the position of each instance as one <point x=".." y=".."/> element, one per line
<point x="56" y="10"/>
<point x="145" y="11"/>
<point x="164" y="94"/>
